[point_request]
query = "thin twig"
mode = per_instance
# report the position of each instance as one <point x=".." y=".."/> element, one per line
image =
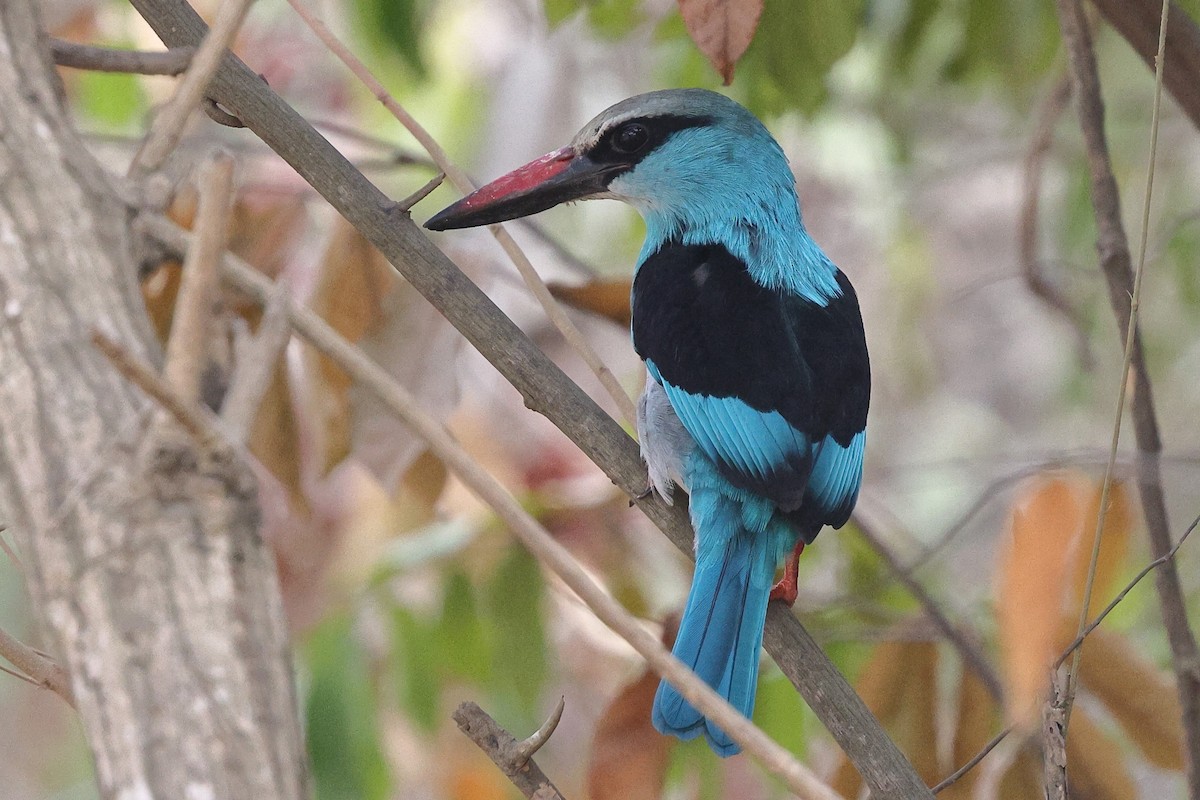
<point x="967" y="647"/>
<point x="1118" y="271"/>
<point x="536" y="538"/>
<point x="1072" y="647"/>
<point x="36" y="667"/>
<point x="188" y="344"/>
<point x="537" y="286"/>
<point x="167" y="127"/>
<point x="506" y="752"/>
<point x="256" y="366"/>
<point x="193" y="419"/>
<point x="970" y="765"/>
<point x="1028" y="226"/>
<point x="8" y="550"/>
<point x="1054" y="738"/>
<point x="1146" y="570"/>
<point x="1134" y="20"/>
<point x="111" y="59"/>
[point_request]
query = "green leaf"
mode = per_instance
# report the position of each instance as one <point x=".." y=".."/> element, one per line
<point x="395" y="25"/>
<point x="115" y="100"/>
<point x="415" y="659"/>
<point x="559" y="11"/>
<point x="465" y="649"/>
<point x="779" y="711"/>
<point x="613" y="19"/>
<point x="514" y="600"/>
<point x="342" y="726"/>
<point x="796" y="45"/>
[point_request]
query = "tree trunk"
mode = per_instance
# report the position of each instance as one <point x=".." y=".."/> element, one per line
<point x="143" y="559"/>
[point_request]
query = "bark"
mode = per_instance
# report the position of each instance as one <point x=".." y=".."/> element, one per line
<point x="142" y="556"/>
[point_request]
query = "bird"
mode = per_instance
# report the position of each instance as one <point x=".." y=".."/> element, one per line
<point x="758" y="378"/>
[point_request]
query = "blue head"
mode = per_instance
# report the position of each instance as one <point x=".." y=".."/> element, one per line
<point x="698" y="166"/>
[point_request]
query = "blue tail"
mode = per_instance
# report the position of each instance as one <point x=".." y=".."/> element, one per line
<point x="721" y="633"/>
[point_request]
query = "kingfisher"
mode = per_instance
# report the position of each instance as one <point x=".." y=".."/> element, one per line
<point x="758" y="379"/>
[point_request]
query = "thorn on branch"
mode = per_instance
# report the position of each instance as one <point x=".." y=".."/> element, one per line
<point x="407" y="203"/>
<point x="525" y="749"/>
<point x="512" y="757"/>
<point x="219" y="115"/>
<point x="110" y="59"/>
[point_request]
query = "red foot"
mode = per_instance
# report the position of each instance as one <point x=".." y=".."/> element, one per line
<point x="787" y="590"/>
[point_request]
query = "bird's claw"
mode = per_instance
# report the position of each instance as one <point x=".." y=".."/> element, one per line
<point x="642" y="495"/>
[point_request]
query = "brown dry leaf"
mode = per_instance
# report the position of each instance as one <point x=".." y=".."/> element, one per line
<point x="899" y="685"/>
<point x="1140" y="696"/>
<point x="608" y="299"/>
<point x="1114" y="546"/>
<point x="361" y="296"/>
<point x="975" y="726"/>
<point x="629" y="757"/>
<point x="722" y="29"/>
<point x="1023" y="779"/>
<point x="275" y="437"/>
<point x="477" y="779"/>
<point x="1042" y="574"/>
<point x="1096" y="762"/>
<point x="1035" y="569"/>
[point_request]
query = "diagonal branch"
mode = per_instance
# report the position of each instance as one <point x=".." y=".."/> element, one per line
<point x="542" y="384"/>
<point x="36" y="667"/>
<point x="505" y="751"/>
<point x="802" y="781"/>
<point x="167" y="127"/>
<point x="1137" y="21"/>
<point x="1116" y="262"/>
<point x="537" y="287"/>
<point x="112" y="59"/>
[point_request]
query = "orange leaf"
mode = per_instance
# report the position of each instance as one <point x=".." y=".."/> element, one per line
<point x="722" y="29"/>
<point x="1114" y="547"/>
<point x="1140" y="696"/>
<point x="629" y="757"/>
<point x="609" y="299"/>
<point x="1095" y="762"/>
<point x="976" y="724"/>
<point x="1042" y="572"/>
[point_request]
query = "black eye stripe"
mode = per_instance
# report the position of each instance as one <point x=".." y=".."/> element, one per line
<point x="608" y="150"/>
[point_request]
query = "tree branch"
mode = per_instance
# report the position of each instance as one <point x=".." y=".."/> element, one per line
<point x="39" y="669"/>
<point x="1116" y="263"/>
<point x="1039" y="282"/>
<point x="1137" y="22"/>
<point x="188" y="343"/>
<point x="506" y="752"/>
<point x="111" y="59"/>
<point x="168" y="124"/>
<point x="542" y="384"/>
<point x="531" y="533"/>
<point x="966" y="645"/>
<point x="537" y="287"/>
<point x="255" y="366"/>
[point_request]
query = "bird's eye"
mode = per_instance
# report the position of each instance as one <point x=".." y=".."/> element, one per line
<point x="630" y="138"/>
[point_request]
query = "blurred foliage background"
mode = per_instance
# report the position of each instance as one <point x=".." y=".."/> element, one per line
<point x="908" y="124"/>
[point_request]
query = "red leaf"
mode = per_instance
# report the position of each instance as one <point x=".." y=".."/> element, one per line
<point x="722" y="29"/>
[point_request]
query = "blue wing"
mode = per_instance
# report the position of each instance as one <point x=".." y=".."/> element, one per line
<point x="772" y="387"/>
